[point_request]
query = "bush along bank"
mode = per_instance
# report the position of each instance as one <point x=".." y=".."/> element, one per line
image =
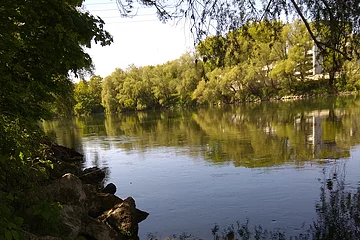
<point x="82" y="208"/>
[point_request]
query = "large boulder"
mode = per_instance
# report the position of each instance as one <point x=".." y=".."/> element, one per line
<point x="67" y="190"/>
<point x="62" y="168"/>
<point x="124" y="218"/>
<point x="98" y="203"/>
<point x="65" y="154"/>
<point x="31" y="236"/>
<point x="95" y="229"/>
<point x="110" y="188"/>
<point x="93" y="175"/>
<point x="70" y="221"/>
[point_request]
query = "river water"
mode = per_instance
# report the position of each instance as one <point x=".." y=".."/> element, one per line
<point x="194" y="168"/>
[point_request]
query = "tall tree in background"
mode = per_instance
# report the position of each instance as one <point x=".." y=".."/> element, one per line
<point x="263" y="60"/>
<point x="87" y="95"/>
<point x="109" y="90"/>
<point x="297" y="63"/>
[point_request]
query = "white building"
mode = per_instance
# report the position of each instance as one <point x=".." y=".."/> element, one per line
<point x="317" y="60"/>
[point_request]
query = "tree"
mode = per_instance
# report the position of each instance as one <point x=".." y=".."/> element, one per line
<point x="190" y="73"/>
<point x="133" y="92"/>
<point x="212" y="50"/>
<point x="296" y="63"/>
<point x="87" y="95"/>
<point x="248" y="55"/>
<point x="41" y="43"/>
<point x="165" y="80"/>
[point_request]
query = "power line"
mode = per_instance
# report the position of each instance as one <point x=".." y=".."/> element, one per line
<point x="140" y="7"/>
<point x="111" y="9"/>
<point x="138" y="15"/>
<point x="102" y="10"/>
<point x="139" y="21"/>
<point x="103" y="3"/>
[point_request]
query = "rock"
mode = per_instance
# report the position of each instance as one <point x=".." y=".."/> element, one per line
<point x="110" y="188"/>
<point x="101" y="202"/>
<point x="92" y="175"/>
<point x="67" y="190"/>
<point x="31" y="236"/>
<point x="62" y="168"/>
<point x="70" y="224"/>
<point x="94" y="229"/>
<point x="124" y="218"/>
<point x="65" y="154"/>
<point x="90" y="190"/>
<point x="140" y="215"/>
<point x="85" y="211"/>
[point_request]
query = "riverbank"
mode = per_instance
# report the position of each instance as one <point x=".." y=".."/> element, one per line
<point x="86" y="208"/>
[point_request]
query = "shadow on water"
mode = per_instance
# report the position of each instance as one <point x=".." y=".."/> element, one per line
<point x="338" y="217"/>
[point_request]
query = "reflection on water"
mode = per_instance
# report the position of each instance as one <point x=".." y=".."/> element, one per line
<point x="338" y="215"/>
<point x="193" y="168"/>
<point x="252" y="135"/>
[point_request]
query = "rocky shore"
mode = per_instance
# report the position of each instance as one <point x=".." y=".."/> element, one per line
<point x="88" y="210"/>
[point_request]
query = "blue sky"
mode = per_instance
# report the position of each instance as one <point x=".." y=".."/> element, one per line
<point x="141" y="40"/>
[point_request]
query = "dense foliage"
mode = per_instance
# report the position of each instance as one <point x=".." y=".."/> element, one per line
<point x="258" y="61"/>
<point x="41" y="43"/>
<point x="138" y="88"/>
<point x="332" y="25"/>
<point x="87" y="95"/>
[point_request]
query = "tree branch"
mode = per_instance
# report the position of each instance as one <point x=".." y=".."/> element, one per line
<point x="266" y="10"/>
<point x="318" y="43"/>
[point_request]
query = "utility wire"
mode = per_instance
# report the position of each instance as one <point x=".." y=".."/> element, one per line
<point x="140" y="15"/>
<point x="141" y="7"/>
<point x="103" y="3"/>
<point x="104" y="10"/>
<point x="139" y="21"/>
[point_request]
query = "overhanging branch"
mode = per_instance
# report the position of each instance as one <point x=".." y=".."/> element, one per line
<point x="318" y="43"/>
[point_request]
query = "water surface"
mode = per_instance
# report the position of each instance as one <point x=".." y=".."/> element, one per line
<point x="193" y="168"/>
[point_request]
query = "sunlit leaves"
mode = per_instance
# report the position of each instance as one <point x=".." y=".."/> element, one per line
<point x="40" y="44"/>
<point x="87" y="95"/>
<point x="161" y="86"/>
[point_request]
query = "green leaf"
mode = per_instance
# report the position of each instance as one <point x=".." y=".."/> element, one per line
<point x="46" y="214"/>
<point x="8" y="235"/>
<point x="11" y="225"/>
<point x="21" y="156"/>
<point x="10" y="197"/>
<point x="15" y="234"/>
<point x="19" y="221"/>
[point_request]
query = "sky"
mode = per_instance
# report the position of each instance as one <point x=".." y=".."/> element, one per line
<point x="141" y="40"/>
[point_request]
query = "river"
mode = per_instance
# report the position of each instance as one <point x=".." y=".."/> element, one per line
<point x="194" y="168"/>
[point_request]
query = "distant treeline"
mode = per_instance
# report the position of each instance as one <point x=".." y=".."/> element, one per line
<point x="259" y="61"/>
